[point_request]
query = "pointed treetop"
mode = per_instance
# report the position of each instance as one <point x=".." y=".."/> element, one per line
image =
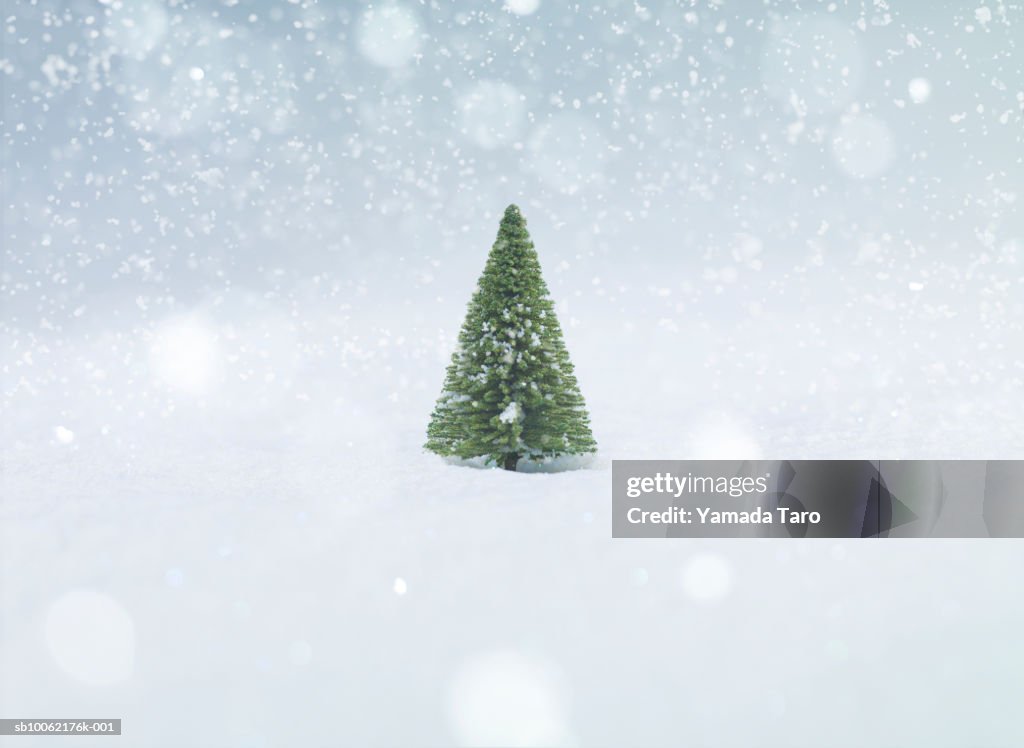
<point x="513" y="224"/>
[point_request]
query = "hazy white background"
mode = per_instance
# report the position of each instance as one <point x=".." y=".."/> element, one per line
<point x="238" y="242"/>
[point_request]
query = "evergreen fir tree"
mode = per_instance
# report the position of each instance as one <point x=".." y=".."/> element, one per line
<point x="510" y="391"/>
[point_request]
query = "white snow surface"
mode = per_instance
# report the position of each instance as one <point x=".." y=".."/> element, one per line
<point x="296" y="565"/>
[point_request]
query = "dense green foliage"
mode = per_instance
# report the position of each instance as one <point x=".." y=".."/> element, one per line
<point x="510" y="391"/>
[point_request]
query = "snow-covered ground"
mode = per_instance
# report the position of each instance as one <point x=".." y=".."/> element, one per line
<point x="375" y="596"/>
<point x="220" y="570"/>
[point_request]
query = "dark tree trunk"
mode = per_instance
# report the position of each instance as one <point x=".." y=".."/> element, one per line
<point x="510" y="462"/>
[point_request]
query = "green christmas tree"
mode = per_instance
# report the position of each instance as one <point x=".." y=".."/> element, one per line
<point x="510" y="392"/>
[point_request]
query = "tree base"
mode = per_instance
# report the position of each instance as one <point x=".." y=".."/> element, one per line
<point x="510" y="462"/>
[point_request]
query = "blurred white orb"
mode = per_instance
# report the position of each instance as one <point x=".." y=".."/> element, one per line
<point x="719" y="436"/>
<point x="747" y="250"/>
<point x="134" y="28"/>
<point x="300" y="653"/>
<point x="400" y="586"/>
<point x="707" y="578"/>
<point x="920" y="90"/>
<point x="522" y="7"/>
<point x="389" y="35"/>
<point x="186" y="355"/>
<point x="64" y="435"/>
<point x="569" y="153"/>
<point x="863" y="146"/>
<point x="508" y="699"/>
<point x="492" y="114"/>
<point x="196" y="74"/>
<point x="813" y="62"/>
<point x="91" y="637"/>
